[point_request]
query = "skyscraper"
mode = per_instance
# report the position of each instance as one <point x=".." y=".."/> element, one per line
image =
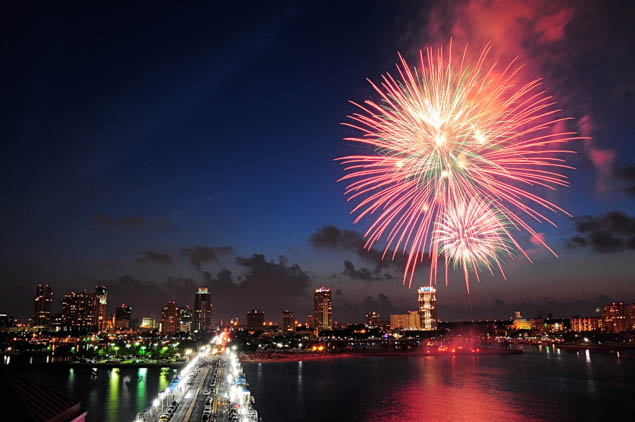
<point x="255" y="319"/>
<point x="43" y="301"/>
<point x="186" y="317"/>
<point x="372" y="319"/>
<point x="78" y="311"/>
<point x="428" y="308"/>
<point x="123" y="314"/>
<point x="323" y="309"/>
<point x="287" y="323"/>
<point x="203" y="311"/>
<point x="170" y="319"/>
<point x="614" y="316"/>
<point x="102" y="307"/>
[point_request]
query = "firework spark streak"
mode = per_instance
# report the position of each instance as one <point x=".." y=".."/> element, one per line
<point x="456" y="144"/>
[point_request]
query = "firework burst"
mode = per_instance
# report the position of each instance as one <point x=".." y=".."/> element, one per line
<point x="445" y="134"/>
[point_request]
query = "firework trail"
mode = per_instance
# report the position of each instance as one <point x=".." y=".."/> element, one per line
<point x="456" y="144"/>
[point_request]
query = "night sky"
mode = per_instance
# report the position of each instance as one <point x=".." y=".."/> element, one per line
<point x="157" y="148"/>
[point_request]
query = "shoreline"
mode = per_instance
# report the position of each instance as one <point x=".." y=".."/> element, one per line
<point x="249" y="358"/>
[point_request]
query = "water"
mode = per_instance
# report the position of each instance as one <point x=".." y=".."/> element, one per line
<point x="109" y="395"/>
<point x="539" y="385"/>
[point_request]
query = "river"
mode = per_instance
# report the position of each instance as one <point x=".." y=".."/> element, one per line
<point x="540" y="385"/>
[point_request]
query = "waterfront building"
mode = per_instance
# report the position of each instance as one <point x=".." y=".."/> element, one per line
<point x="186" y="319"/>
<point x="323" y="309"/>
<point x="43" y="301"/>
<point x="102" y="307"/>
<point x="123" y="315"/>
<point x="287" y="321"/>
<point x="614" y="316"/>
<point x="428" y="308"/>
<point x="580" y="324"/>
<point x="6" y="322"/>
<point x="372" y="319"/>
<point x="78" y="312"/>
<point x="204" y="318"/>
<point x="255" y="320"/>
<point x="170" y="319"/>
<point x="630" y="316"/>
<point x="520" y="323"/>
<point x="399" y="321"/>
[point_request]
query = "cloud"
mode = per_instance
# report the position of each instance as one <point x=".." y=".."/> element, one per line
<point x="627" y="176"/>
<point x="545" y="37"/>
<point x="144" y="257"/>
<point x="361" y="274"/>
<point x="197" y="254"/>
<point x="611" y="232"/>
<point x="331" y="237"/>
<point x="266" y="284"/>
<point x="119" y="222"/>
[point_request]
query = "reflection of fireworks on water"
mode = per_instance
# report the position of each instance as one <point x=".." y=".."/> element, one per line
<point x="471" y="236"/>
<point x="445" y="133"/>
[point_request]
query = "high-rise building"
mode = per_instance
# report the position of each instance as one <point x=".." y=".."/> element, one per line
<point x="580" y="324"/>
<point x="102" y="307"/>
<point x="78" y="312"/>
<point x="399" y="321"/>
<point x="614" y="316"/>
<point x="203" y="311"/>
<point x="372" y="319"/>
<point x="287" y="321"/>
<point x="630" y="316"/>
<point x="310" y="322"/>
<point x="170" y="319"/>
<point x="43" y="301"/>
<point x="323" y="305"/>
<point x="255" y="319"/>
<point x="186" y="319"/>
<point x="123" y="315"/>
<point x="428" y="308"/>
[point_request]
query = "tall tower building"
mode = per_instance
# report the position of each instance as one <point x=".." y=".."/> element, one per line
<point x="255" y="319"/>
<point x="287" y="323"/>
<point x="428" y="308"/>
<point x="323" y="309"/>
<point x="123" y="315"/>
<point x="203" y="311"/>
<point x="186" y="317"/>
<point x="170" y="319"/>
<point x="101" y="293"/>
<point x="43" y="301"/>
<point x="78" y="311"/>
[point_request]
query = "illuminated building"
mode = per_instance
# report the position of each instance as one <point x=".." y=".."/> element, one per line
<point x="102" y="307"/>
<point x="6" y="321"/>
<point x="630" y="316"/>
<point x="170" y="319"/>
<point x="148" y="322"/>
<point x="372" y="319"/>
<point x="43" y="301"/>
<point x="186" y="317"/>
<point x="203" y="311"/>
<point x="323" y="309"/>
<point x="410" y="321"/>
<point x="310" y="322"/>
<point x="428" y="308"/>
<point x="614" y="316"/>
<point x="398" y="321"/>
<point x="287" y="321"/>
<point x="78" y="312"/>
<point x="520" y="323"/>
<point x="123" y="315"/>
<point x="580" y="324"/>
<point x="255" y="319"/>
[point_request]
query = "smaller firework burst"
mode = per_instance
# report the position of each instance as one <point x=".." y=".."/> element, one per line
<point x="472" y="236"/>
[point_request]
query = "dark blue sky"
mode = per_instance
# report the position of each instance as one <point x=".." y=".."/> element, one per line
<point x="150" y="148"/>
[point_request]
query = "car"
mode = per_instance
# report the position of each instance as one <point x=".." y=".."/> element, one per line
<point x="205" y="417"/>
<point x="164" y="418"/>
